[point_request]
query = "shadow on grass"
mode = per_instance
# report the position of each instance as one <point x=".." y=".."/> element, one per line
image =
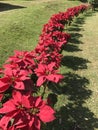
<point x="74" y="62"/>
<point x="84" y="1"/>
<point x="74" y="113"/>
<point x="6" y="7"/>
<point x="77" y="117"/>
<point x="74" y="31"/>
<point x="73" y="86"/>
<point x="71" y="48"/>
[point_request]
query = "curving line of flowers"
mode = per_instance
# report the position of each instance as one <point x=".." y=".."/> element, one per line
<point x="24" y="73"/>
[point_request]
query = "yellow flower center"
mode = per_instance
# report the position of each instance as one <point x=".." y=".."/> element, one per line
<point x="34" y="111"/>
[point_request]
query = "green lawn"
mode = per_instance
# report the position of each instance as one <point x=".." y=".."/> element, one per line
<point x="21" y="23"/>
<point x="20" y="26"/>
<point x="80" y="83"/>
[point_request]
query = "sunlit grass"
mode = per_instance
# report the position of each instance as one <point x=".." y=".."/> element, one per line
<point x="76" y="96"/>
<point x="20" y="27"/>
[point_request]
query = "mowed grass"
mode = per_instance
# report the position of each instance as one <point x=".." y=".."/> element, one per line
<point x="77" y="104"/>
<point x="75" y="98"/>
<point x="21" y="23"/>
<point x="80" y="58"/>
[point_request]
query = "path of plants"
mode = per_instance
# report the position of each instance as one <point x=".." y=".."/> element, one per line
<point x="25" y="73"/>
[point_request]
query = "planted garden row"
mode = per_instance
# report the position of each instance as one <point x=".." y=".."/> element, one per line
<point x="24" y="73"/>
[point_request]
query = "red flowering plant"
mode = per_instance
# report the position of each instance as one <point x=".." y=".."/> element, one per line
<point x="23" y="59"/>
<point x="52" y="26"/>
<point x="48" y="49"/>
<point x="13" y="78"/>
<point x="46" y="57"/>
<point x="17" y="77"/>
<point x="23" y="111"/>
<point x="1" y="96"/>
<point x="24" y="73"/>
<point x="63" y="17"/>
<point x="56" y="37"/>
<point x="61" y="38"/>
<point x="59" y="18"/>
<point x="83" y="8"/>
<point x="74" y="11"/>
<point x="47" y="41"/>
<point x="47" y="73"/>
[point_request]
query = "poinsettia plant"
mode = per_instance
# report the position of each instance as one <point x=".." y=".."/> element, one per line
<point x="24" y="73"/>
<point x="23" y="111"/>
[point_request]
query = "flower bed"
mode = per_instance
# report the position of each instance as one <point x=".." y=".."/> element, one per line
<point x="24" y="73"/>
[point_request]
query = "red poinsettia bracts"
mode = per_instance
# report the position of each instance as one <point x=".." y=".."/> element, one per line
<point x="13" y="78"/>
<point x="1" y="96"/>
<point x="23" y="59"/>
<point x="50" y="27"/>
<point x="25" y="111"/>
<point x="47" y="73"/>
